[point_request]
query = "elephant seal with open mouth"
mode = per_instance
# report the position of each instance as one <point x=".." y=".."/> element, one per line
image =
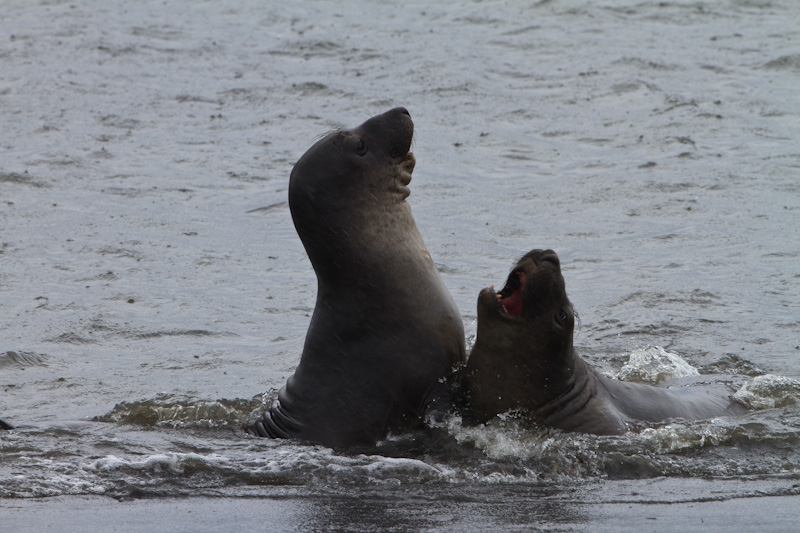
<point x="524" y="360"/>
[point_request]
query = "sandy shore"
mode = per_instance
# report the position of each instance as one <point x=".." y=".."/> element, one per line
<point x="68" y="514"/>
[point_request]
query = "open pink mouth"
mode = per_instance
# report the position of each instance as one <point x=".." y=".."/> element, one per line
<point x="510" y="298"/>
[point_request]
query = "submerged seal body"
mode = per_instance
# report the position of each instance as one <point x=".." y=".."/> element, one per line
<point x="385" y="333"/>
<point x="524" y="359"/>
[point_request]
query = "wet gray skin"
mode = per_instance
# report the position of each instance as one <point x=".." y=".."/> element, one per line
<point x="385" y="332"/>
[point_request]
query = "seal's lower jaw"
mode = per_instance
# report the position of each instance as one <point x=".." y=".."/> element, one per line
<point x="406" y="167"/>
<point x="488" y="305"/>
<point x="404" y="170"/>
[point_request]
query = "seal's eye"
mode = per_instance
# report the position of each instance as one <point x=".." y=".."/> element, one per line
<point x="361" y="147"/>
<point x="561" y="315"/>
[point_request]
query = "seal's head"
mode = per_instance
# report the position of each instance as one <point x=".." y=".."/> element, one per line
<point x="368" y="163"/>
<point x="347" y="181"/>
<point x="523" y="352"/>
<point x="532" y="306"/>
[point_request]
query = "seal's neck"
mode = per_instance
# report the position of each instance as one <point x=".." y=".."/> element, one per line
<point x="347" y="245"/>
<point x="568" y="389"/>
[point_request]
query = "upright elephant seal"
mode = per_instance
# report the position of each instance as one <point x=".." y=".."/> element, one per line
<point x="385" y="333"/>
<point x="523" y="359"/>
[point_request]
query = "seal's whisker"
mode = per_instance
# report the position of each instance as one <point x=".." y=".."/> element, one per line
<point x="323" y="135"/>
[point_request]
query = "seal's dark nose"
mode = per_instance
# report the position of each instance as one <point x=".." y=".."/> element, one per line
<point x="399" y="128"/>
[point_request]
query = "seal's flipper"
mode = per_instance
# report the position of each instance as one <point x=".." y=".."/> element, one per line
<point x="5" y="425"/>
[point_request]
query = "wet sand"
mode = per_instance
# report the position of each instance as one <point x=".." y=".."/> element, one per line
<point x="68" y="514"/>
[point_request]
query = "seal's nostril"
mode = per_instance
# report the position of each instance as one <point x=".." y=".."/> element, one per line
<point x="404" y="111"/>
<point x="552" y="258"/>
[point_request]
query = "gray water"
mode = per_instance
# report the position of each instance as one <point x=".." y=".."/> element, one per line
<point x="153" y="290"/>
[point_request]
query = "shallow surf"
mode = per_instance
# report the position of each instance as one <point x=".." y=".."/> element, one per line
<point x="153" y="290"/>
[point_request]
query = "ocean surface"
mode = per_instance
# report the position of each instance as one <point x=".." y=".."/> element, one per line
<point x="153" y="291"/>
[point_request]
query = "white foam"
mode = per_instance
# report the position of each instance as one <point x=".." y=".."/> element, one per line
<point x="173" y="462"/>
<point x="769" y="391"/>
<point x="654" y="364"/>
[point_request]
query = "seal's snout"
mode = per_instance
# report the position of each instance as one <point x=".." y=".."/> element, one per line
<point x="549" y="256"/>
<point x="536" y="259"/>
<point x="401" y="131"/>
